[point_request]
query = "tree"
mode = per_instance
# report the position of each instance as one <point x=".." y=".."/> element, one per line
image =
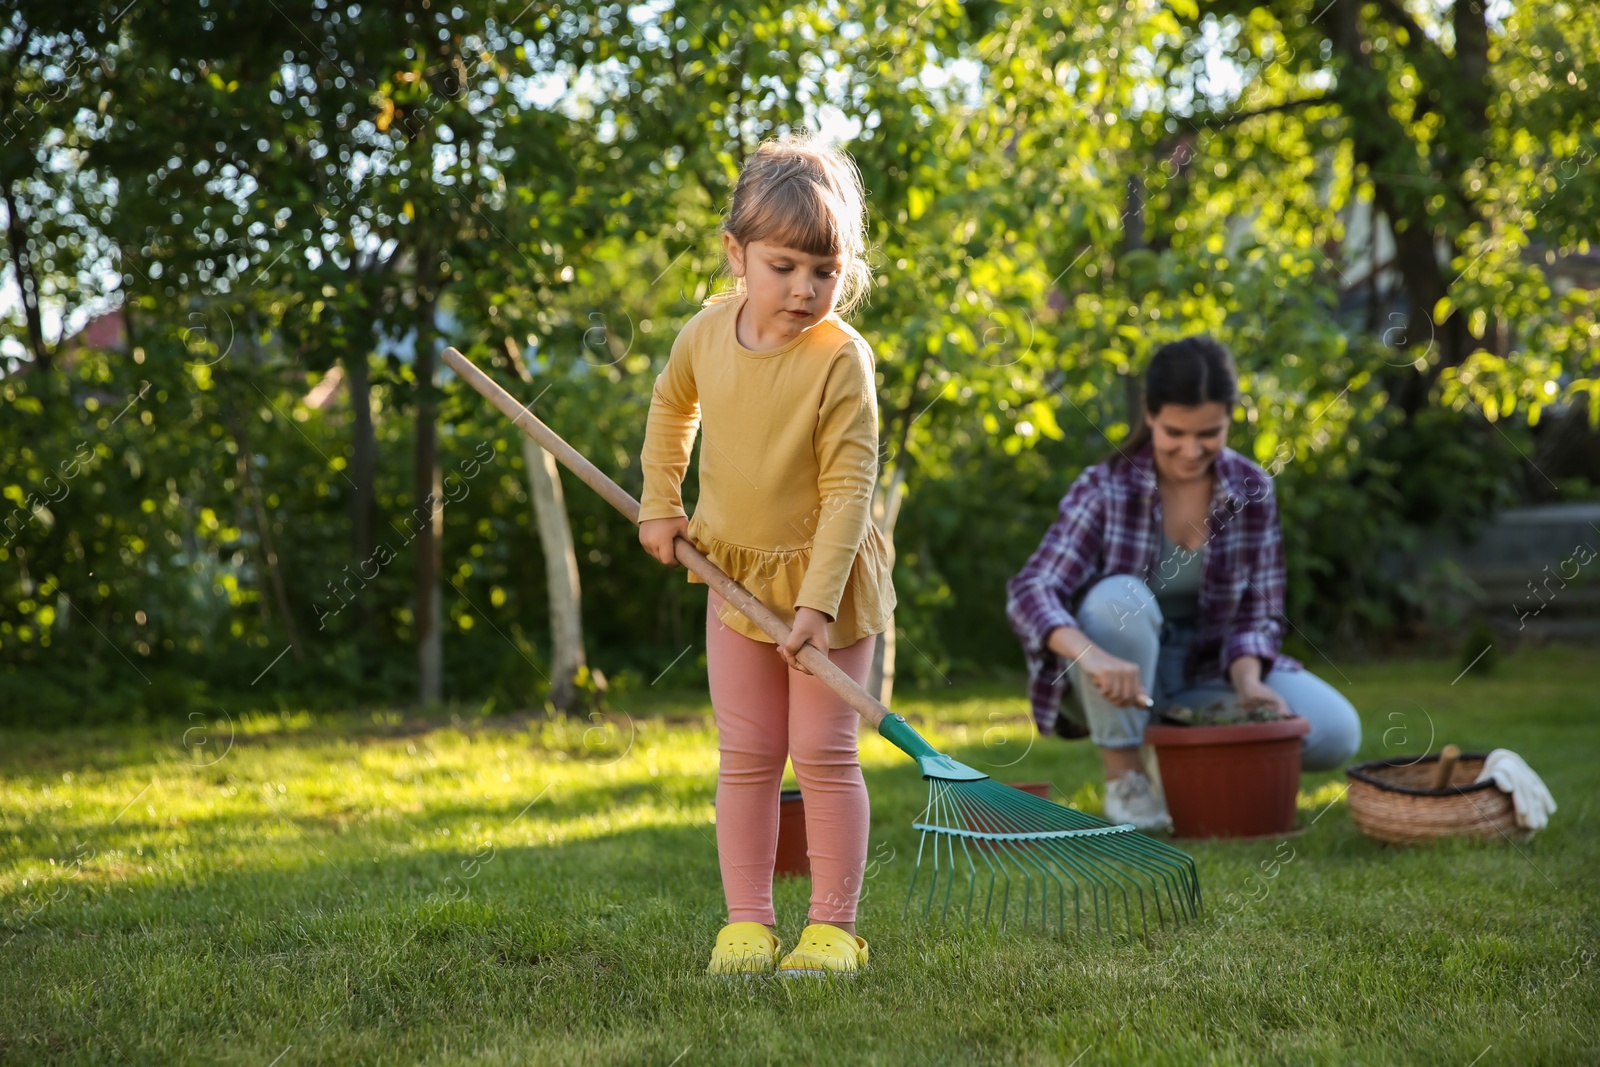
<point x="1470" y="134"/>
<point x="51" y="64"/>
<point x="554" y="528"/>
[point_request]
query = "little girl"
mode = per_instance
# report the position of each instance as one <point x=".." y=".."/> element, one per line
<point x="783" y="393"/>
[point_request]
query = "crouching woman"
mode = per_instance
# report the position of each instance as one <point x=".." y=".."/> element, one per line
<point x="1161" y="582"/>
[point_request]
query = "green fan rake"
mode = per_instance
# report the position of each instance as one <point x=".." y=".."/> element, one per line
<point x="993" y="852"/>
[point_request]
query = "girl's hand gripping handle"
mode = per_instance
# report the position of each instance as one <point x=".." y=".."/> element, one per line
<point x="657" y="535"/>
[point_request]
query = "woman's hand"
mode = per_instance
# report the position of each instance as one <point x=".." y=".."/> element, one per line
<point x="1254" y="693"/>
<point x="657" y="536"/>
<point x="1116" y="679"/>
<point x="1251" y="691"/>
<point x="809" y="625"/>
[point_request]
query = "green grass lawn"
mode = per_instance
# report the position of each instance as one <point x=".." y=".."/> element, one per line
<point x="291" y="890"/>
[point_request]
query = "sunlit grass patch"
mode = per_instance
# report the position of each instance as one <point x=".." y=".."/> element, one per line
<point x="1318" y="799"/>
<point x="374" y="889"/>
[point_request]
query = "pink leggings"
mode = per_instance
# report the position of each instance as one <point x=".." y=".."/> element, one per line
<point x="765" y="714"/>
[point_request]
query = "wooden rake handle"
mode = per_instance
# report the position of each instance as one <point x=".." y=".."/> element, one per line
<point x="814" y="659"/>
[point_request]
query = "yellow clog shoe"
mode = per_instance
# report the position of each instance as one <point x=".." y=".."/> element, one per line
<point x="744" y="948"/>
<point x="823" y="951"/>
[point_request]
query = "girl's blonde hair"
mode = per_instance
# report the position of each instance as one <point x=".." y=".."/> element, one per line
<point x="802" y="193"/>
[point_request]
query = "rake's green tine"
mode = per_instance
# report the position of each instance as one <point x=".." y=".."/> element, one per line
<point x="1045" y="873"/>
<point x="1011" y="857"/>
<point x="1170" y="880"/>
<point x="1064" y="861"/>
<point x="989" y="902"/>
<point x="1139" y="873"/>
<point x="1028" y="816"/>
<point x="947" y="861"/>
<point x="1095" y="856"/>
<point x="1061" y="904"/>
<point x="1077" y="908"/>
<point x="997" y="857"/>
<point x="1174" y="865"/>
<point x="949" y="878"/>
<point x="966" y="822"/>
<point x="921" y="843"/>
<point x="1173" y="859"/>
<point x="1156" y="869"/>
<point x="1023" y="858"/>
<point x="1027" y="886"/>
<point x="1079" y="877"/>
<point x="972" y="878"/>
<point x="989" y="895"/>
<point x="1114" y="862"/>
<point x="917" y="871"/>
<point x="1005" y="894"/>
<point x="950" y="883"/>
<point x="1023" y="838"/>
<point x="970" y="818"/>
<point x="1115" y="878"/>
<point x="1102" y="892"/>
<point x="1178" y="895"/>
<point x="1072" y="863"/>
<point x="945" y="800"/>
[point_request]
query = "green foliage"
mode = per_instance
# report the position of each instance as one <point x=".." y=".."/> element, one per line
<point x="274" y="195"/>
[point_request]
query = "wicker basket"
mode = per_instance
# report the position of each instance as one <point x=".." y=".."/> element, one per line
<point x="1393" y="800"/>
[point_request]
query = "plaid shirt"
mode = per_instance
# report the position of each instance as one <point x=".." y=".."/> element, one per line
<point x="1110" y="523"/>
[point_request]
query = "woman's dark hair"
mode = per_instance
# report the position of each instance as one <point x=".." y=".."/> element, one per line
<point x="1188" y="372"/>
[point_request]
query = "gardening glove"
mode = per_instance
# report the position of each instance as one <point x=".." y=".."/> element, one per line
<point x="1529" y="796"/>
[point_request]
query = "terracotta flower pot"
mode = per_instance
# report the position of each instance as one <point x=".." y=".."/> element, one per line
<point x="792" y="857"/>
<point x="1230" y="781"/>
<point x="1038" y="789"/>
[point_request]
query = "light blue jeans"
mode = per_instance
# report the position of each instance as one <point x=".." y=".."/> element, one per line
<point x="1120" y="614"/>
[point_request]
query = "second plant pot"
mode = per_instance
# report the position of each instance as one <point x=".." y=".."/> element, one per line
<point x="792" y="856"/>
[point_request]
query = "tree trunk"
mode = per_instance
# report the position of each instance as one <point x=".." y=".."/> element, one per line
<point x="885" y="513"/>
<point x="27" y="282"/>
<point x="269" y="554"/>
<point x="428" y="515"/>
<point x="363" y="455"/>
<point x="560" y="559"/>
<point x="1133" y="217"/>
<point x="561" y="573"/>
<point x="363" y="472"/>
<point x="1381" y="143"/>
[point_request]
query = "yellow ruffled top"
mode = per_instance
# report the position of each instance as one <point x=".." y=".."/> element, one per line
<point x="788" y="465"/>
<point x="777" y="577"/>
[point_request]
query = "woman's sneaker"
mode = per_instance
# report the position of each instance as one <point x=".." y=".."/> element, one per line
<point x="1129" y="799"/>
